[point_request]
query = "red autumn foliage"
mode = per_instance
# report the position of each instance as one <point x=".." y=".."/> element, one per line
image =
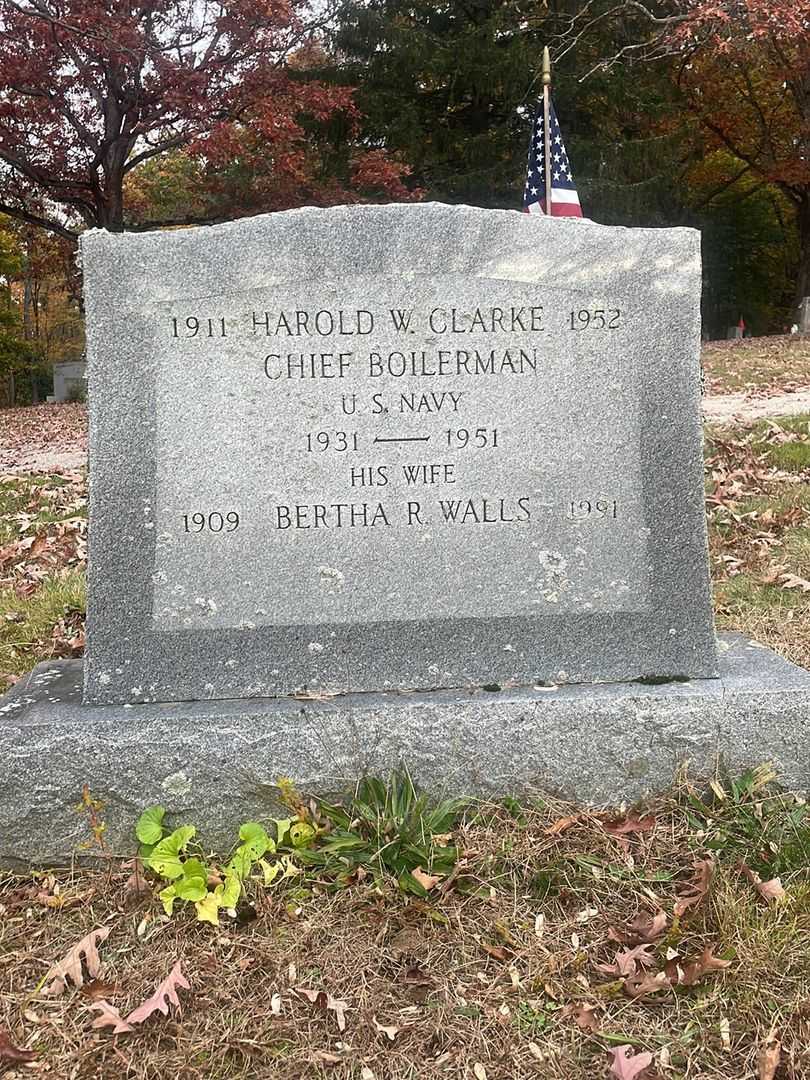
<point x="91" y="90"/>
<point x="744" y="69"/>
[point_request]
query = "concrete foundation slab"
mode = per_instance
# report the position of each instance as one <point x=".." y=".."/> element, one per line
<point x="214" y="763"/>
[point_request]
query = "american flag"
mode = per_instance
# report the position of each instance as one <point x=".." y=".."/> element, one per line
<point x="564" y="198"/>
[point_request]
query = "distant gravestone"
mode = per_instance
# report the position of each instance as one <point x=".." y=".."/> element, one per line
<point x="378" y="484"/>
<point x="69" y="379"/>
<point x="406" y="454"/>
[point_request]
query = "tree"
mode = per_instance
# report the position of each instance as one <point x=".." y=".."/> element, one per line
<point x="449" y="87"/>
<point x="743" y="67"/>
<point x="18" y="354"/>
<point x="91" y="90"/>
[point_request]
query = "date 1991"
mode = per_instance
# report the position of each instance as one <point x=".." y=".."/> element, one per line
<point x="582" y="509"/>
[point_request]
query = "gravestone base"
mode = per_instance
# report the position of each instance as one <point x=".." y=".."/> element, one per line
<point x="215" y="763"/>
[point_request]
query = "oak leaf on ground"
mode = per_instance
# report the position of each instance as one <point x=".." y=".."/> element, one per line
<point x="427" y="881"/>
<point x="693" y="970"/>
<point x="109" y="1017"/>
<point x="70" y="966"/>
<point x="10" y="1052"/>
<point x="642" y="984"/>
<point x="159" y="1001"/>
<point x="644" y="929"/>
<point x="626" y="1065"/>
<point x="326" y="1002"/>
<point x="769" y="891"/>
<point x="696" y="890"/>
<point x="631" y="823"/>
<point x="584" y="1016"/>
<point x="626" y="961"/>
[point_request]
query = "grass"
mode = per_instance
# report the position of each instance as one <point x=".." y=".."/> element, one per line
<point x="761" y="366"/>
<point x="758" y="487"/>
<point x="482" y="975"/>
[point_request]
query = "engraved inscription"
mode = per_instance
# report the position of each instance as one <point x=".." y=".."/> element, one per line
<point x="425" y="452"/>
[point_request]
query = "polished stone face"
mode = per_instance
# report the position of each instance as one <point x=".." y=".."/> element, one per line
<point x="393" y="447"/>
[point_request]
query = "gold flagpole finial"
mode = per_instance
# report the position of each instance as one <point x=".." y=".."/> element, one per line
<point x="546" y="66"/>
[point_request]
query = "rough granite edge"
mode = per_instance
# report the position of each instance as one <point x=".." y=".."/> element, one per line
<point x="215" y="763"/>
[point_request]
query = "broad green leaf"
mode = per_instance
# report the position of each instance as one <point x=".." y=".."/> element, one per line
<point x="208" y="908"/>
<point x="149" y="828"/>
<point x="165" y="858"/>
<point x="255" y="837"/>
<point x="167" y="898"/>
<point x="269" y="870"/>
<point x="282" y="828"/>
<point x="301" y="834"/>
<point x="193" y="884"/>
<point x="229" y="893"/>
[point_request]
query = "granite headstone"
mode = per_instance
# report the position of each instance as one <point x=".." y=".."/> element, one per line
<point x="446" y="455"/>
<point x="393" y="447"/>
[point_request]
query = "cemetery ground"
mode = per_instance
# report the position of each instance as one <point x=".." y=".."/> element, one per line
<point x="660" y="941"/>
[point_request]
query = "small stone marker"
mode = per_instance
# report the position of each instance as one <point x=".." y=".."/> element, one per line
<point x="386" y="447"/>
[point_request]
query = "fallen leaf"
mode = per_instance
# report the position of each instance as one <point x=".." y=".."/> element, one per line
<point x="326" y="1002"/>
<point x="696" y="969"/>
<point x="561" y="824"/>
<point x="96" y="990"/>
<point x="643" y="984"/>
<point x="10" y="1052"/>
<point x="389" y="1030"/>
<point x="643" y="929"/>
<point x="159" y="1001"/>
<point x="497" y="952"/>
<point x="276" y="1004"/>
<point x="70" y="966"/>
<point x="328" y="1059"/>
<point x="769" y="891"/>
<point x="626" y="1065"/>
<point x="136" y="885"/>
<point x="427" y="881"/>
<point x="109" y="1017"/>
<point x="480" y="1071"/>
<point x="627" y="960"/>
<point x="696" y="889"/>
<point x="631" y="823"/>
<point x="768" y="1060"/>
<point x="793" y="581"/>
<point x="584" y="1016"/>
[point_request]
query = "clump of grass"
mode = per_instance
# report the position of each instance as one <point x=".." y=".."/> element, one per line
<point x="387" y="829"/>
<point x="749" y="819"/>
<point x="27" y="624"/>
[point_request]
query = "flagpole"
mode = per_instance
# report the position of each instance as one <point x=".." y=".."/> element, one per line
<point x="547" y="125"/>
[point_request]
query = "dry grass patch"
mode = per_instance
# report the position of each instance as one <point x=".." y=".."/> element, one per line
<point x="758" y="502"/>
<point x="507" y="969"/>
<point x="759" y="367"/>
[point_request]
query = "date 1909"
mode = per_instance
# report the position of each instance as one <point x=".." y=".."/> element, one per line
<point x="214" y="522"/>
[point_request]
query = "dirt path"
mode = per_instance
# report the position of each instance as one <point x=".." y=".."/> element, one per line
<point x="729" y="408"/>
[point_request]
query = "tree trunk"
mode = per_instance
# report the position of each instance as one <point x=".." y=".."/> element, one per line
<point x="803" y="278"/>
<point x="29" y="308"/>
